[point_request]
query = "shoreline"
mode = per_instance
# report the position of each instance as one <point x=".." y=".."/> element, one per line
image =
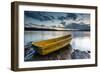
<point x="40" y="29"/>
<point x="66" y="53"/>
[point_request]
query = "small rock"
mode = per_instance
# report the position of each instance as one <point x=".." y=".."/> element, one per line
<point x="89" y="52"/>
<point x="77" y="54"/>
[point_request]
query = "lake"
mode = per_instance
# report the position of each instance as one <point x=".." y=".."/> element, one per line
<point x="80" y="39"/>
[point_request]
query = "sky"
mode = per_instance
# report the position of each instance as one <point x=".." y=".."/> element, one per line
<point x="55" y="18"/>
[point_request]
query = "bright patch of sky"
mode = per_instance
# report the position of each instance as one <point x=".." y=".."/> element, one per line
<point x="55" y="18"/>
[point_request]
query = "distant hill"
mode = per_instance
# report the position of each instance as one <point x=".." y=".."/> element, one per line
<point x="70" y="27"/>
<point x="78" y="26"/>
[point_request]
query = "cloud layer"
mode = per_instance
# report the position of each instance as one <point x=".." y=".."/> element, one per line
<point x="55" y="18"/>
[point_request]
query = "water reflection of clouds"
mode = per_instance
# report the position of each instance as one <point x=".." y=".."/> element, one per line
<point x="81" y="43"/>
<point x="76" y="34"/>
<point x="51" y="34"/>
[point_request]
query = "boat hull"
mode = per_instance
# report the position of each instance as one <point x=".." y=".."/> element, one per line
<point x="48" y="46"/>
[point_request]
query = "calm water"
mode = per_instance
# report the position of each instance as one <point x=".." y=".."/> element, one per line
<point x="80" y="39"/>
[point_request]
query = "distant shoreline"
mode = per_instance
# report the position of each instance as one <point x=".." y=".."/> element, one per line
<point x="40" y="29"/>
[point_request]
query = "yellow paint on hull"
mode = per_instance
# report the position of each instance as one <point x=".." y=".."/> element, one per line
<point x="47" y="46"/>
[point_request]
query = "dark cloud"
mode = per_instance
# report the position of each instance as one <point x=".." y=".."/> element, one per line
<point x="71" y="16"/>
<point x="63" y="23"/>
<point x="56" y="16"/>
<point x="35" y="15"/>
<point x="68" y="16"/>
<point x="61" y="18"/>
<point x="52" y="17"/>
<point x="42" y="16"/>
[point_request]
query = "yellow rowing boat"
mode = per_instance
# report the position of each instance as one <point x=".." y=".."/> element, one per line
<point x="47" y="46"/>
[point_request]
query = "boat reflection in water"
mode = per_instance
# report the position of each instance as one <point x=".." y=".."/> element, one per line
<point x="80" y="42"/>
